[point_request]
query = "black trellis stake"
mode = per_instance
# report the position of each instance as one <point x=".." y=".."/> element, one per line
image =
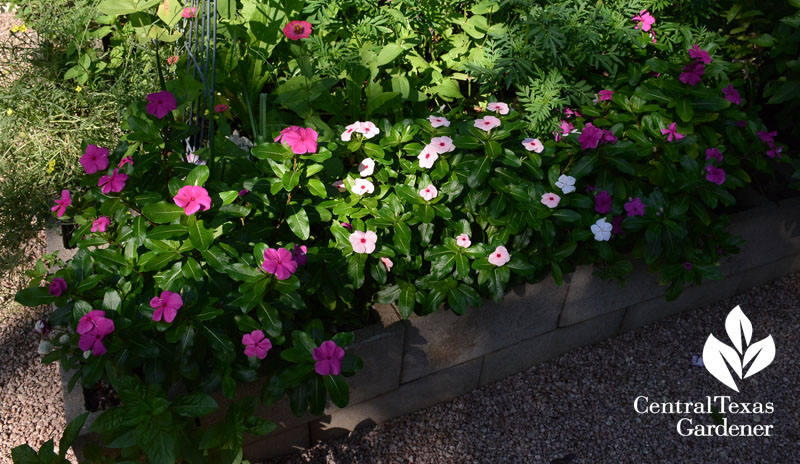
<point x="200" y="44"/>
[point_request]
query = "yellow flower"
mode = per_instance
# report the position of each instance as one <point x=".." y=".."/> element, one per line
<point x="51" y="166"/>
<point x="78" y="88"/>
<point x="9" y="111"/>
<point x="23" y="28"/>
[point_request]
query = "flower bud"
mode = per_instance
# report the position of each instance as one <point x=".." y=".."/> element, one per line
<point x="45" y="347"/>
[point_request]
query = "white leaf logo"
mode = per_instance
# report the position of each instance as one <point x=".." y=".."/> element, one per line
<point x="720" y="359"/>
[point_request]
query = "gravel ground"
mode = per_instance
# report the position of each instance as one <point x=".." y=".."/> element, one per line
<point x="578" y="408"/>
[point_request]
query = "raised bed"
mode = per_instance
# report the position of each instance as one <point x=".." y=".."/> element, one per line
<point x="422" y="361"/>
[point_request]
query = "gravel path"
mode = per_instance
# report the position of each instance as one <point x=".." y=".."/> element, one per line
<point x="578" y="408"/>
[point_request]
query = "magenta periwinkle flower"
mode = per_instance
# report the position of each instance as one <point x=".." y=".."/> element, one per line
<point x="100" y="224"/>
<point x="644" y="20"/>
<point x="616" y="224"/>
<point x="192" y="198"/>
<point x="299" y="254"/>
<point x="243" y="192"/>
<point x="124" y="161"/>
<point x="62" y="203"/>
<point x="329" y="358"/>
<point x="221" y="108"/>
<point x="166" y="305"/>
<point x="113" y="183"/>
<point x="57" y="287"/>
<point x="279" y="262"/>
<point x="687" y="265"/>
<point x="256" y="344"/>
<point x="700" y="55"/>
<point x="714" y="154"/>
<point x="634" y="207"/>
<point x="732" y="95"/>
<point x="605" y="95"/>
<point x="608" y="137"/>
<point x="774" y="152"/>
<point x="767" y="137"/>
<point x="715" y="174"/>
<point x="159" y="104"/>
<point x="590" y="137"/>
<point x="602" y="202"/>
<point x="672" y="133"/>
<point x="95" y="159"/>
<point x="92" y="328"/>
<point x="692" y="73"/>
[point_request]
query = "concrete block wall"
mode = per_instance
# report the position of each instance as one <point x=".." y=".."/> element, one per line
<point x="416" y="363"/>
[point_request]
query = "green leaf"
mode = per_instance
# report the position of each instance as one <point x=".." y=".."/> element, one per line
<point x="194" y="405"/>
<point x="162" y="212"/>
<point x="449" y="89"/>
<point x="24" y="454"/>
<point x="566" y="215"/>
<point x="388" y="54"/>
<point x="111" y="300"/>
<point x="221" y="345"/>
<point x="298" y="222"/>
<point x="109" y="257"/>
<point x="317" y="188"/>
<point x="290" y="180"/>
<point x="34" y="296"/>
<point x="197" y="176"/>
<point x="200" y="237"/>
<point x="684" y="109"/>
<point x="493" y="149"/>
<point x="273" y="151"/>
<point x="402" y="237"/>
<point x="407" y="299"/>
<point x="70" y="434"/>
<point x="338" y="390"/>
<point x="479" y="172"/>
<point x="89" y="283"/>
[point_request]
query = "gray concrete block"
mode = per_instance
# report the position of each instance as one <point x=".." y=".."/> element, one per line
<point x="381" y="349"/>
<point x="277" y="444"/>
<point x="771" y="234"/>
<point x="768" y="272"/>
<point x="655" y="309"/>
<point x="412" y="396"/>
<point x="516" y="358"/>
<point x="444" y="339"/>
<point x="590" y="296"/>
<point x="54" y="242"/>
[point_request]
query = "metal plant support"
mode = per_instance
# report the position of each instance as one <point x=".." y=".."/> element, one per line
<point x="200" y="45"/>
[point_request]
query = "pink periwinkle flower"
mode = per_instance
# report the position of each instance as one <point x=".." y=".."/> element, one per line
<point x="550" y="200"/>
<point x="161" y="103"/>
<point x="113" y="183"/>
<point x="427" y="156"/>
<point x="499" y="256"/>
<point x="699" y="54"/>
<point x="124" y="161"/>
<point x="644" y="20"/>
<point x="534" y="145"/>
<point x="590" y="136"/>
<point x="62" y="203"/>
<point x="363" y="186"/>
<point x="602" y="202"/>
<point x="672" y="133"/>
<point x="605" y="95"/>
<point x="634" y="207"/>
<point x="300" y="139"/>
<point x="715" y="174"/>
<point x="347" y="226"/>
<point x="498" y="107"/>
<point x="279" y="262"/>
<point x="714" y="154"/>
<point x="192" y="198"/>
<point x="692" y="73"/>
<point x="57" y="287"/>
<point x="329" y="358"/>
<point x="92" y="328"/>
<point x="299" y="254"/>
<point x="429" y="193"/>
<point x="256" y="344"/>
<point x="221" y="108"/>
<point x="172" y="60"/>
<point x="442" y="144"/>
<point x="463" y="241"/>
<point x="363" y="242"/>
<point x="95" y="159"/>
<point x="100" y="224"/>
<point x="297" y="30"/>
<point x="732" y="95"/>
<point x="366" y="167"/>
<point x="189" y="12"/>
<point x="487" y="123"/>
<point x="388" y="263"/>
<point x="166" y="305"/>
<point x="570" y="112"/>
<point x="438" y="121"/>
<point x="566" y="129"/>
